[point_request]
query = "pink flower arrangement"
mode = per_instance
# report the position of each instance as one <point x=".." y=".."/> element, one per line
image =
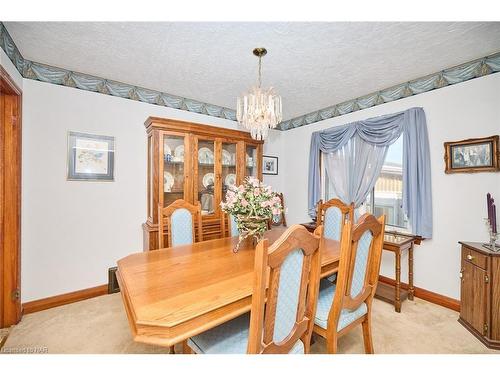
<point x="252" y="204"/>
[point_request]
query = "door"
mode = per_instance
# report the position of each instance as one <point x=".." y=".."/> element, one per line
<point x="473" y="296"/>
<point x="251" y="161"/>
<point x="207" y="175"/>
<point x="228" y="168"/>
<point x="174" y="168"/>
<point x="10" y="201"/>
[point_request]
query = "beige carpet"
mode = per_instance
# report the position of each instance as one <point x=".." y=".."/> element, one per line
<point x="100" y="325"/>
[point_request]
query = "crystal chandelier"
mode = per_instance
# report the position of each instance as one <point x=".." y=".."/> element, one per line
<point x="259" y="109"/>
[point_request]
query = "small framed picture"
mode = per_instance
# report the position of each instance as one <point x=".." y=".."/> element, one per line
<point x="269" y="165"/>
<point x="472" y="155"/>
<point x="90" y="157"/>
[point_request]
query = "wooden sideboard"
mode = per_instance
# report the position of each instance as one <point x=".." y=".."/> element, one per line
<point x="195" y="162"/>
<point x="480" y="293"/>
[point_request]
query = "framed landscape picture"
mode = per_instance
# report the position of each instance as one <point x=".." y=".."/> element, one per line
<point x="269" y="165"/>
<point x="472" y="155"/>
<point x="90" y="157"/>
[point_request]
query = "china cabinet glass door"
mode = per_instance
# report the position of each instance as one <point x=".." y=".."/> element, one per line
<point x="205" y="181"/>
<point x="174" y="164"/>
<point x="251" y="161"/>
<point x="228" y="161"/>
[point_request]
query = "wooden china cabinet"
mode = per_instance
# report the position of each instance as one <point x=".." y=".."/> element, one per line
<point x="197" y="163"/>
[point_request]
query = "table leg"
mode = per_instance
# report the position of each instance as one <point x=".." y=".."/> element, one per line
<point x="411" y="290"/>
<point x="397" y="299"/>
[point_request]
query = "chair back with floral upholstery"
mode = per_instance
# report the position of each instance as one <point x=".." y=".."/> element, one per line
<point x="180" y="218"/>
<point x="360" y="257"/>
<point x="332" y="215"/>
<point x="292" y="266"/>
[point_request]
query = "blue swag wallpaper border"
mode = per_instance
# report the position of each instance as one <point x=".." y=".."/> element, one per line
<point x="464" y="72"/>
<point x="59" y="76"/>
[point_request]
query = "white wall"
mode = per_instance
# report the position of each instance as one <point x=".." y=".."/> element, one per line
<point x="73" y="231"/>
<point x="274" y="146"/>
<point x="466" y="110"/>
<point x="10" y="69"/>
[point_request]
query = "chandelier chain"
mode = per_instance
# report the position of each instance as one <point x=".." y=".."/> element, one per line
<point x="260" y="71"/>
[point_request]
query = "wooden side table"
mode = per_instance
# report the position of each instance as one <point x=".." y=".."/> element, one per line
<point x="398" y="243"/>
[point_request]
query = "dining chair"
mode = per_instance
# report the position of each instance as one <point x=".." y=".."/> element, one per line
<point x="180" y="217"/>
<point x="282" y="312"/>
<point x="348" y="303"/>
<point x="332" y="214"/>
<point x="232" y="227"/>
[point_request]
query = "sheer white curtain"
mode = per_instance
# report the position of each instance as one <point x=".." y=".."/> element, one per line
<point x="353" y="169"/>
<point x="363" y="163"/>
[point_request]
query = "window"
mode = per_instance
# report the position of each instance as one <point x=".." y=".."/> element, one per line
<point x="387" y="195"/>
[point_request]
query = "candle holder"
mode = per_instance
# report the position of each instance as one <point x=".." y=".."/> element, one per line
<point x="493" y="235"/>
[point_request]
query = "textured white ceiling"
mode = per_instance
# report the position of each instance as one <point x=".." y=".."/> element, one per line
<point x="312" y="65"/>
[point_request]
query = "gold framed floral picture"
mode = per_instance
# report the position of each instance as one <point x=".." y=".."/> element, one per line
<point x="472" y="155"/>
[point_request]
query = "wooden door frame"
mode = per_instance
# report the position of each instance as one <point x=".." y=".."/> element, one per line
<point x="10" y="200"/>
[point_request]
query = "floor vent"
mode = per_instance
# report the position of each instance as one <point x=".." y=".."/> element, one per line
<point x="113" y="286"/>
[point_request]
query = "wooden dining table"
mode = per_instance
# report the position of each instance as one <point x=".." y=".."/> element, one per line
<point x="175" y="293"/>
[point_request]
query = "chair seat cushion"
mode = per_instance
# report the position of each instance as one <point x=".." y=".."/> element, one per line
<point x="325" y="299"/>
<point x="229" y="338"/>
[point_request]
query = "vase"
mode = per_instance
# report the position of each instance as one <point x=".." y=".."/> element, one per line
<point x="251" y="226"/>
